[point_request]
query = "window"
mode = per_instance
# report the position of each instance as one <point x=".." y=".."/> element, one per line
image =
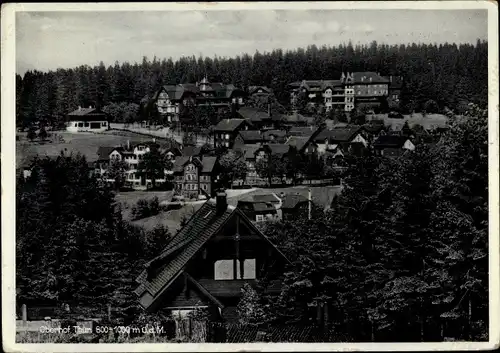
<point x="259" y="218"/>
<point x="224" y="270"/>
<point x="249" y="269"/>
<point x="104" y="123"/>
<point x="227" y="136"/>
<point x="204" y="187"/>
<point x="86" y="125"/>
<point x="375" y="92"/>
<point x="80" y="124"/>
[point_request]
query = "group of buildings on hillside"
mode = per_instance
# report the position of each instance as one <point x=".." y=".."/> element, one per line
<point x="195" y="171"/>
<point x="356" y="89"/>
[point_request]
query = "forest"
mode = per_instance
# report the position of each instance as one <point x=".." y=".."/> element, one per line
<point x="402" y="255"/>
<point x="452" y="75"/>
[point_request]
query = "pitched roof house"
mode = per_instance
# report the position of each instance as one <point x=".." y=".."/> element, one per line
<point x="302" y="144"/>
<point x="330" y="139"/>
<point x="87" y="119"/>
<point x="385" y="145"/>
<point x="259" y="208"/>
<point x="293" y="206"/>
<point x="226" y="130"/>
<point x="195" y="176"/>
<point x="207" y="263"/>
<point x="248" y="137"/>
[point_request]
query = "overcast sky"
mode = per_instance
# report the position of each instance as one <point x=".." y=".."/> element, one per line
<point x="48" y="40"/>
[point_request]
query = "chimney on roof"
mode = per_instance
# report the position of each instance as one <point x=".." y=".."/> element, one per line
<point x="90" y="107"/>
<point x="221" y="202"/>
<point x="128" y="144"/>
<point x="282" y="195"/>
<point x="390" y="78"/>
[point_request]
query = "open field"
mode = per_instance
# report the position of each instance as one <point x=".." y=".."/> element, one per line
<point x="84" y="143"/>
<point x="428" y="121"/>
<point x="171" y="219"/>
<point x="129" y="199"/>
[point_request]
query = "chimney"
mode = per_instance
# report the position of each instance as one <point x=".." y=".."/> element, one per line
<point x="221" y="202"/>
<point x="154" y="140"/>
<point x="309" y="198"/>
<point x="282" y="195"/>
<point x="269" y="109"/>
<point x="79" y="107"/>
<point x="128" y="144"/>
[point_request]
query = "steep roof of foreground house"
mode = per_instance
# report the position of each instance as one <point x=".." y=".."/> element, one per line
<point x="163" y="270"/>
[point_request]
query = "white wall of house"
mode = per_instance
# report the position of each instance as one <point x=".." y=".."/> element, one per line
<point x="409" y="145"/>
<point x="87" y="126"/>
<point x="361" y="139"/>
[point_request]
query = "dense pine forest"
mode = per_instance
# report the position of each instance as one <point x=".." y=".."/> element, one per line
<point x="450" y="74"/>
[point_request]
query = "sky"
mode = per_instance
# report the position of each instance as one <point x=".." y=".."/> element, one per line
<point x="51" y="40"/>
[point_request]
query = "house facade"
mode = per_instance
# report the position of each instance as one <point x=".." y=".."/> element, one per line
<point x="353" y="89"/>
<point x="392" y="145"/>
<point x="132" y="156"/>
<point x="87" y="120"/>
<point x="195" y="176"/>
<point x="207" y="263"/>
<point x="330" y="139"/>
<point x="226" y="130"/>
<point x="171" y="99"/>
<point x="294" y="206"/>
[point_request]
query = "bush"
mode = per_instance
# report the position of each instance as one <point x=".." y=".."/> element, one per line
<point x="145" y="208"/>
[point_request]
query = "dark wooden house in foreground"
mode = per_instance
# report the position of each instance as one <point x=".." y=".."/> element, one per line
<point x="208" y="261"/>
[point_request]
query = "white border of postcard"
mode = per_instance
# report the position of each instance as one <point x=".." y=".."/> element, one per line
<point x="8" y="176"/>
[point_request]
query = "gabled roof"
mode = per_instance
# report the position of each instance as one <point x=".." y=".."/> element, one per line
<point x="204" y="224"/>
<point x="338" y="135"/>
<point x="368" y="77"/>
<point x="293" y="200"/>
<point x="253" y="114"/>
<point x="302" y="131"/>
<point x="390" y="141"/>
<point x="278" y="148"/>
<point x="85" y="111"/>
<point x="208" y="164"/>
<point x="296" y="118"/>
<point x="251" y="136"/>
<point x="248" y="150"/>
<point x="316" y="85"/>
<point x="229" y="125"/>
<point x="191" y="151"/>
<point x="278" y="133"/>
<point x="104" y="152"/>
<point x="255" y="89"/>
<point x="299" y="142"/>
